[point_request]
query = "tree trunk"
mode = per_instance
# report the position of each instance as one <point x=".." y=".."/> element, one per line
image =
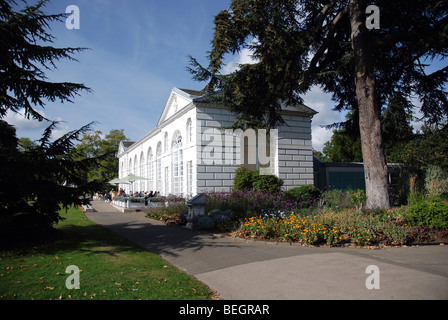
<point x="375" y="167"/>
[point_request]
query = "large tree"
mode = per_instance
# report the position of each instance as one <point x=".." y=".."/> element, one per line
<point x="94" y="145"/>
<point x="36" y="179"/>
<point x="298" y="44"/>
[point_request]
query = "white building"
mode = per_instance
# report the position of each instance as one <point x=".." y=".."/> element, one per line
<point x="189" y="152"/>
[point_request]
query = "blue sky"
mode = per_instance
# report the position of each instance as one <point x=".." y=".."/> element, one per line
<point x="138" y="51"/>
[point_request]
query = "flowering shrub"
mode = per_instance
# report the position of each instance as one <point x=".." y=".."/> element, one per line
<point x="335" y="220"/>
<point x="325" y="227"/>
<point x="308" y="230"/>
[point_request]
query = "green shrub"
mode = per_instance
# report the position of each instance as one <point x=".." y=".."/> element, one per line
<point x="432" y="213"/>
<point x="171" y="212"/>
<point x="415" y="197"/>
<point x="268" y="183"/>
<point x="245" y="179"/>
<point x="358" y="198"/>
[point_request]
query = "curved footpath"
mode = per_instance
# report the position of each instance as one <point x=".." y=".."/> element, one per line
<point x="257" y="270"/>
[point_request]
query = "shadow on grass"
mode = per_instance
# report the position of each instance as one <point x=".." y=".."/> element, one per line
<point x="88" y="239"/>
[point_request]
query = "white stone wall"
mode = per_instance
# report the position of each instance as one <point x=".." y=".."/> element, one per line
<point x="211" y="156"/>
<point x="217" y="163"/>
<point x="292" y="157"/>
<point x="295" y="152"/>
<point x="139" y="154"/>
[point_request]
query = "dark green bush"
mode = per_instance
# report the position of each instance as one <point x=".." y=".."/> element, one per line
<point x="268" y="183"/>
<point x="246" y="179"/>
<point x="431" y="213"/>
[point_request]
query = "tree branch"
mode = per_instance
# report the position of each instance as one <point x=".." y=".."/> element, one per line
<point x="326" y="43"/>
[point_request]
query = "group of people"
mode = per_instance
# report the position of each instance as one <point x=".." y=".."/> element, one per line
<point x="139" y="194"/>
<point x="107" y="196"/>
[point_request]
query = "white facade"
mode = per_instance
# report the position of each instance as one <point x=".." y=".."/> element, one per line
<point x="189" y="152"/>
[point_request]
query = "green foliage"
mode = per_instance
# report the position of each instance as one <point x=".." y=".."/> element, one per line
<point x="415" y="197"/>
<point x="246" y="179"/>
<point x="36" y="183"/>
<point x="292" y="57"/>
<point x="36" y="179"/>
<point x="345" y="143"/>
<point x="236" y="202"/>
<point x="432" y="213"/>
<point x="342" y="148"/>
<point x="428" y="147"/>
<point x="268" y="183"/>
<point x="326" y="227"/>
<point x="176" y="211"/>
<point x="93" y="145"/>
<point x="436" y="182"/>
<point x="358" y="198"/>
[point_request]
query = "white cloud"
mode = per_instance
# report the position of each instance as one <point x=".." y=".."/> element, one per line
<point x="28" y="128"/>
<point x="32" y="128"/>
<point x="244" y="57"/>
<point x="322" y="103"/>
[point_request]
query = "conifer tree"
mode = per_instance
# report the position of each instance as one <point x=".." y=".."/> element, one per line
<point x="37" y="180"/>
<point x="24" y="58"/>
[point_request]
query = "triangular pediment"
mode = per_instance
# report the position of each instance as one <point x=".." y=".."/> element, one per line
<point x="177" y="100"/>
<point x="124" y="145"/>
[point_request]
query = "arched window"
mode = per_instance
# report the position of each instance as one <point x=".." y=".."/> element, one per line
<point x="189" y="131"/>
<point x="150" y="170"/>
<point x="178" y="163"/>
<point x="143" y="184"/>
<point x="136" y="184"/>
<point x="165" y="141"/>
<point x="159" y="167"/>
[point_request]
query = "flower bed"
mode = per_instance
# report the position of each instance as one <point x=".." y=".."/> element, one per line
<point x="335" y="218"/>
<point x="324" y="227"/>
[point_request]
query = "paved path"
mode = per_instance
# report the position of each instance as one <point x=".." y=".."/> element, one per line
<point x="240" y="270"/>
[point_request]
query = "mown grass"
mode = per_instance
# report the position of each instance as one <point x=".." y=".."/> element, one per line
<point x="111" y="268"/>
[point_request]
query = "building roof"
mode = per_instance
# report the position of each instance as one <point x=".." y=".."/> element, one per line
<point x="186" y="99"/>
<point x="127" y="144"/>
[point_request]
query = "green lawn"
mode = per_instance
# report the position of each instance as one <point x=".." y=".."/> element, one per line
<point x="111" y="267"/>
